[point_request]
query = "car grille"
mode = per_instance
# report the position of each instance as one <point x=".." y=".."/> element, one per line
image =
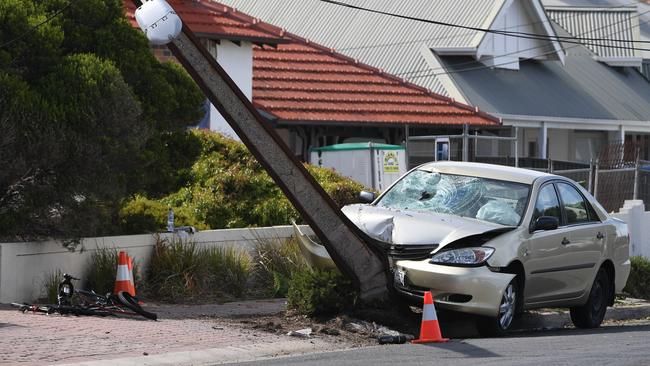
<point x="411" y="252"/>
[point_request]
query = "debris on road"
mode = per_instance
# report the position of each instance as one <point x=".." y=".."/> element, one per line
<point x="303" y="333"/>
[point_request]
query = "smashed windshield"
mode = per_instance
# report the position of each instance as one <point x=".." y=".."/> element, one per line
<point x="496" y="201"/>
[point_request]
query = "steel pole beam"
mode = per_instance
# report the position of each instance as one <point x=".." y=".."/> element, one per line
<point x="355" y="254"/>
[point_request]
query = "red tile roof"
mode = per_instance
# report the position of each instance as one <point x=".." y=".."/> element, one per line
<point x="211" y="20"/>
<point x="303" y="82"/>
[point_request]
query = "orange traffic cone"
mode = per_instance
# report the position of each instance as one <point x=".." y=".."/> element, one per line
<point x="430" y="329"/>
<point x="131" y="279"/>
<point x="123" y="279"/>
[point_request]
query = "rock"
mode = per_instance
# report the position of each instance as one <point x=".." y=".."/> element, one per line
<point x="302" y="333"/>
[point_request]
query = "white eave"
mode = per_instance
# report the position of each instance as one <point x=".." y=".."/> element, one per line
<point x="455" y="51"/>
<point x="546" y="22"/>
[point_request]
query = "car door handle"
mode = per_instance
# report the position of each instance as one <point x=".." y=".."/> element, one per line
<point x="600" y="235"/>
<point x="566" y="241"/>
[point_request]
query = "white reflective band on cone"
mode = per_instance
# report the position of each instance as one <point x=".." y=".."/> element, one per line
<point x="429" y="312"/>
<point x="123" y="273"/>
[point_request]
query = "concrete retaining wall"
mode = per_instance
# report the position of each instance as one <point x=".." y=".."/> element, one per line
<point x="25" y="266"/>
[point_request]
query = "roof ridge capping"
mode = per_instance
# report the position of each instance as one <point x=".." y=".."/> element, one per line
<point x="250" y="20"/>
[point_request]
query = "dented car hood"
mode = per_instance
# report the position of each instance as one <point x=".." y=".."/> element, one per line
<point x="408" y="227"/>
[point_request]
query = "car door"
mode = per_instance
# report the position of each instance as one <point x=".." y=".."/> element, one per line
<point x="587" y="239"/>
<point x="544" y="254"/>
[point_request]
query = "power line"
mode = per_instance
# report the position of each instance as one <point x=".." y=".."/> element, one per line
<point x="548" y="20"/>
<point x="536" y="47"/>
<point x="524" y="35"/>
<point x="47" y="20"/>
<point x="489" y="67"/>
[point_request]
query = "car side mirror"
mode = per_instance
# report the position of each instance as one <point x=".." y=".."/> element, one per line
<point x="546" y="223"/>
<point x="366" y="197"/>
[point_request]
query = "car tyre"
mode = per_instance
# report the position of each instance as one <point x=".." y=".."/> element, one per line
<point x="592" y="313"/>
<point x="502" y="323"/>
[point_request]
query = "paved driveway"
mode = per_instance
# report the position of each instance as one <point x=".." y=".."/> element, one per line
<point x="182" y="336"/>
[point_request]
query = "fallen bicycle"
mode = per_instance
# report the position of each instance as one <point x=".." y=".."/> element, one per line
<point x="72" y="301"/>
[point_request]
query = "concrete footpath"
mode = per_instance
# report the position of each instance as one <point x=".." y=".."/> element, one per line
<point x="190" y="335"/>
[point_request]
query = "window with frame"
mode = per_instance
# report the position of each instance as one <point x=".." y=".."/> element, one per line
<point x="547" y="204"/>
<point x="573" y="204"/>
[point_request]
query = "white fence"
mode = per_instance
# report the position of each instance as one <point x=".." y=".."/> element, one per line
<point x="25" y="266"/>
<point x="638" y="224"/>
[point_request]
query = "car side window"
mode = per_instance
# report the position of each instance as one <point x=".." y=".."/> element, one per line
<point x="573" y="204"/>
<point x="547" y="203"/>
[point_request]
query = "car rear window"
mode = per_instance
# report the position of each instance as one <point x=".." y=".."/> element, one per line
<point x="491" y="200"/>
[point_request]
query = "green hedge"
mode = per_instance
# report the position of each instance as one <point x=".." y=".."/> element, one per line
<point x="638" y="284"/>
<point x="227" y="188"/>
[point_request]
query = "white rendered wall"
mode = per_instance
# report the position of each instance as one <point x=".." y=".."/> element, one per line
<point x="638" y="225"/>
<point x="238" y="63"/>
<point x="25" y="266"/>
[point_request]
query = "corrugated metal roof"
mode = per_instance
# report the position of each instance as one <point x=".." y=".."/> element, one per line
<point x="385" y="42"/>
<point x="643" y="13"/>
<point x="583" y="88"/>
<point x="606" y="24"/>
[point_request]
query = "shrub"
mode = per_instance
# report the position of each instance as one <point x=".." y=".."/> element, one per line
<point x="102" y="271"/>
<point x="175" y="270"/>
<point x="638" y="284"/>
<point x="51" y="285"/>
<point x="227" y="188"/>
<point x="276" y="261"/>
<point x="143" y="215"/>
<point x="320" y="292"/>
<point x="228" y="270"/>
<point x="181" y="271"/>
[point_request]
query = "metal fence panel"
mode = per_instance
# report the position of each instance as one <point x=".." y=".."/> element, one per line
<point x="614" y="187"/>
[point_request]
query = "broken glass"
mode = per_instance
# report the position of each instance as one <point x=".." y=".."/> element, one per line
<point x="491" y="200"/>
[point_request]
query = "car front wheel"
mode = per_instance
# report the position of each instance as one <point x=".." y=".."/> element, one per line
<point x="592" y="313"/>
<point x="496" y="326"/>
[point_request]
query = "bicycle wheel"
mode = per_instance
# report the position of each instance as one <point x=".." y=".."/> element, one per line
<point x="24" y="307"/>
<point x="91" y="298"/>
<point x="127" y="300"/>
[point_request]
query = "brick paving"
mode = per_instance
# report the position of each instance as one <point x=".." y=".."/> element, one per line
<point x="36" y="339"/>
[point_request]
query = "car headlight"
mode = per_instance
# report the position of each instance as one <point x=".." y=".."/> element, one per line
<point x="464" y="256"/>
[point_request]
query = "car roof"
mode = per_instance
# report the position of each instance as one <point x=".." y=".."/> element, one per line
<point x="490" y="171"/>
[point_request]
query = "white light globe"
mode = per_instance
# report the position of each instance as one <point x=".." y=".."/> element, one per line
<point x="158" y="21"/>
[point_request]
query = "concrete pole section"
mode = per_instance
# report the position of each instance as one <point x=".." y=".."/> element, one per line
<point x="354" y="253"/>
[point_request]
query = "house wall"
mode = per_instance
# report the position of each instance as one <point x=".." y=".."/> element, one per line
<point x="238" y="63"/>
<point x="25" y="266"/>
<point x="559" y="145"/>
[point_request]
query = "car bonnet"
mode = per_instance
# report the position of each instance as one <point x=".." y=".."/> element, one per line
<point x="407" y="227"/>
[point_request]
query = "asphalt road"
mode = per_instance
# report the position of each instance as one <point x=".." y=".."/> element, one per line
<point x="623" y="344"/>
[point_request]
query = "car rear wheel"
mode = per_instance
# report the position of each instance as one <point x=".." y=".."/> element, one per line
<point x="592" y="313"/>
<point x="496" y="326"/>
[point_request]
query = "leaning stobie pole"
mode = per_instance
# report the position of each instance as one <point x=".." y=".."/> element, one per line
<point x="354" y="253"/>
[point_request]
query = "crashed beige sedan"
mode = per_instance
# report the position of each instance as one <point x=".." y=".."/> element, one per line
<point x="493" y="241"/>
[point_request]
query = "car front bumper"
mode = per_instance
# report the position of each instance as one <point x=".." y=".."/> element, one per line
<point x="474" y="290"/>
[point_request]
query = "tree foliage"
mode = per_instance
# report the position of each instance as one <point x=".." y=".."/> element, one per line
<point x="227" y="188"/>
<point x="87" y="115"/>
